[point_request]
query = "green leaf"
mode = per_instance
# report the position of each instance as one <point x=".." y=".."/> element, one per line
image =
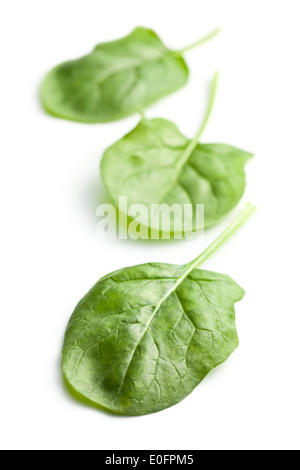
<point x="117" y="79"/>
<point x="144" y="337"/>
<point x="156" y="164"/>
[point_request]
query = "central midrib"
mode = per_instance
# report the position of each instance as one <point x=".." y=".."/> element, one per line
<point x="191" y="146"/>
<point x="190" y="268"/>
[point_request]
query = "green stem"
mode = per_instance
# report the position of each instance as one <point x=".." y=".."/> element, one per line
<point x="141" y="112"/>
<point x="236" y="225"/>
<point x="195" y="141"/>
<point x="201" y="41"/>
<point x="211" y="103"/>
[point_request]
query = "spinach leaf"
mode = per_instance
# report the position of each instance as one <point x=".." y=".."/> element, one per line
<point x="115" y="80"/>
<point x="144" y="337"/>
<point x="156" y="164"/>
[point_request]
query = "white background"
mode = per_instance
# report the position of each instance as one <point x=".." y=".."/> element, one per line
<point x="50" y="188"/>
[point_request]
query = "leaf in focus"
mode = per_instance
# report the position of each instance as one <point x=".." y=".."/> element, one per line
<point x="143" y="338"/>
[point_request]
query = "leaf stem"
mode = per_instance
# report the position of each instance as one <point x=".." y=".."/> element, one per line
<point x="141" y="112"/>
<point x="236" y="225"/>
<point x="211" y="103"/>
<point x="200" y="42"/>
<point x="196" y="139"/>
